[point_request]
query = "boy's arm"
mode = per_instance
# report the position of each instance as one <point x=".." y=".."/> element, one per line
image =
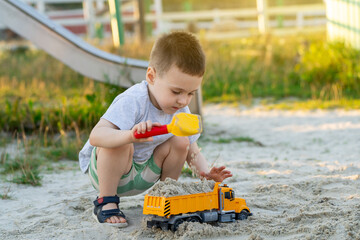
<point x="107" y="135"/>
<point x="196" y="160"/>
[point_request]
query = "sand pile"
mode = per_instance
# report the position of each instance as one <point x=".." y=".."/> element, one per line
<point x="171" y="188"/>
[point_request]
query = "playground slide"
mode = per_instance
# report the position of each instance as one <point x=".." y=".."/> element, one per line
<point x="69" y="48"/>
<point x="72" y="50"/>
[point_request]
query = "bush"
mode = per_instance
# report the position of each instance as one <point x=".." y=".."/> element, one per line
<point x="331" y="70"/>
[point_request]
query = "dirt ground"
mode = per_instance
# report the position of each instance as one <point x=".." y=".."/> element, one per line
<point x="301" y="182"/>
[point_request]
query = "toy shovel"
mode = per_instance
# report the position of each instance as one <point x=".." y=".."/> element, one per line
<point x="182" y="124"/>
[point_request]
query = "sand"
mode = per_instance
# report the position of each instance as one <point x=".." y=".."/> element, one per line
<point x="304" y="183"/>
<point x="170" y="187"/>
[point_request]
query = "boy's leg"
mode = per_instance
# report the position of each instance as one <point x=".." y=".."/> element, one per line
<point x="112" y="164"/>
<point x="170" y="156"/>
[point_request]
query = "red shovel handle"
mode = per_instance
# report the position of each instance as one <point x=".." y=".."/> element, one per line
<point x="156" y="130"/>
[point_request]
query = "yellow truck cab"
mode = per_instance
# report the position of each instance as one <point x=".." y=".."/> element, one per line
<point x="230" y="203"/>
<point x="220" y="205"/>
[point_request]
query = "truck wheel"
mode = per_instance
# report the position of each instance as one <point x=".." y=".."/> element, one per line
<point x="176" y="224"/>
<point x="164" y="226"/>
<point x="150" y="224"/>
<point x="193" y="219"/>
<point x="243" y="215"/>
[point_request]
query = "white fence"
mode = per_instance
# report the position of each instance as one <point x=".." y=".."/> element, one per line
<point x="344" y="21"/>
<point x="244" y="22"/>
<point x="217" y="23"/>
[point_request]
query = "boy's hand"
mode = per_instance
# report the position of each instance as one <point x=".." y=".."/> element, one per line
<point x="218" y="174"/>
<point x="142" y="127"/>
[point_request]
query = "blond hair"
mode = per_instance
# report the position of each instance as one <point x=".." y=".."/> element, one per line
<point x="181" y="49"/>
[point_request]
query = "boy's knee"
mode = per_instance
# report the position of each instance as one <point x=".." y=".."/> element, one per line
<point x="127" y="149"/>
<point x="181" y="143"/>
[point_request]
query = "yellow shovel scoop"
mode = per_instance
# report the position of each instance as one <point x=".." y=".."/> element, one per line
<point x="182" y="124"/>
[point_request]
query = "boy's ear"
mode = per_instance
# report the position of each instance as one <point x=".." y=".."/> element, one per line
<point x="150" y="75"/>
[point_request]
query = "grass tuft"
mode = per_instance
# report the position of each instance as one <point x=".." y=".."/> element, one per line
<point x="33" y="156"/>
<point x="6" y="194"/>
<point x="28" y="176"/>
<point x="187" y="172"/>
<point x="223" y="140"/>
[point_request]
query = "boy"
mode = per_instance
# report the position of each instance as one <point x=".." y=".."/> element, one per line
<point x="121" y="165"/>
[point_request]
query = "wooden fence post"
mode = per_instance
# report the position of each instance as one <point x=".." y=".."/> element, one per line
<point x="158" y="14"/>
<point x="89" y="16"/>
<point x="99" y="5"/>
<point x="40" y="6"/>
<point x="299" y="20"/>
<point x="263" y="16"/>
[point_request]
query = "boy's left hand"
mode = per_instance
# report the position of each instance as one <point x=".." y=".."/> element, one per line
<point x="218" y="174"/>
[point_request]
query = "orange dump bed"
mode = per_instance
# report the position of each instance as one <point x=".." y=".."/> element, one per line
<point x="167" y="206"/>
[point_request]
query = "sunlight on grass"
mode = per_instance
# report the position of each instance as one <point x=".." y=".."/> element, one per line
<point x="40" y="94"/>
<point x="346" y="104"/>
<point x="54" y="108"/>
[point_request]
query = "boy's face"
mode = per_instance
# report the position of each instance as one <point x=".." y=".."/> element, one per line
<point x="173" y="90"/>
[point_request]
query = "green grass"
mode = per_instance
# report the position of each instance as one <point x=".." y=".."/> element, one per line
<point x="6" y="194"/>
<point x="53" y="109"/>
<point x="186" y="171"/>
<point x="280" y="68"/>
<point x="24" y="170"/>
<point x="301" y="66"/>
<point x="36" y="153"/>
<point x="347" y="104"/>
<point x="222" y="140"/>
<point x="41" y="95"/>
<point x="238" y="139"/>
<point x="28" y="176"/>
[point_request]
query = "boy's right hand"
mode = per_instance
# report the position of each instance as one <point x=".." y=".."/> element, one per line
<point x="142" y="127"/>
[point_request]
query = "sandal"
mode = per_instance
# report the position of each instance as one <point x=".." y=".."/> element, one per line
<point x="101" y="215"/>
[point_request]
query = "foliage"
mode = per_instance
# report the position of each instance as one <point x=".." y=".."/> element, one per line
<point x="25" y="169"/>
<point x="331" y="68"/>
<point x="186" y="171"/>
<point x="279" y="68"/>
<point x="36" y="152"/>
<point x="54" y="108"/>
<point x="39" y="94"/>
<point x="312" y="104"/>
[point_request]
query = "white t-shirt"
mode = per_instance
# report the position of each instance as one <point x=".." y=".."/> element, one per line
<point x="129" y="108"/>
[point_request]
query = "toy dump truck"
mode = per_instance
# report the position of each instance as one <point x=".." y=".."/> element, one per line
<point x="220" y="205"/>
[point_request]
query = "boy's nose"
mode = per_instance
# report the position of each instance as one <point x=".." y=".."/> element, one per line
<point x="182" y="100"/>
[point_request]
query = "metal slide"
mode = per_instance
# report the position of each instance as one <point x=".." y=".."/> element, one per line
<point x="68" y="48"/>
<point x="72" y="50"/>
